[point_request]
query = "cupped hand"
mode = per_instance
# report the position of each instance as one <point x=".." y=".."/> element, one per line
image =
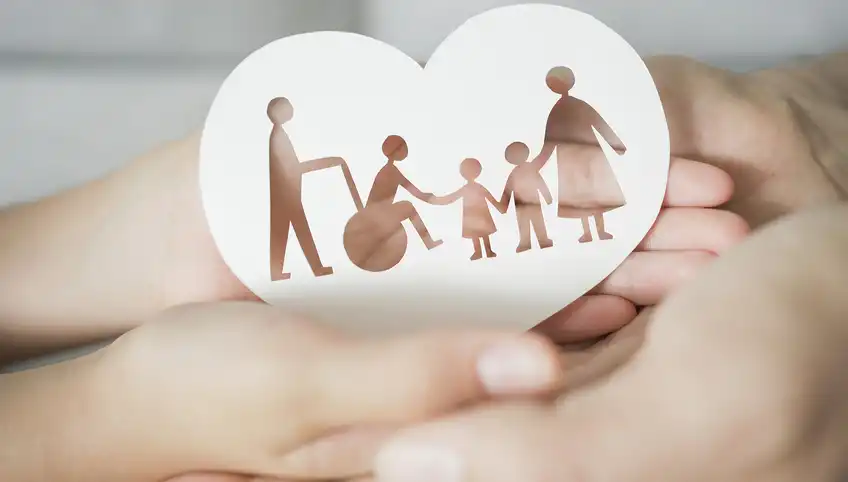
<point x="777" y="132"/>
<point x="242" y="388"/>
<point x="739" y="375"/>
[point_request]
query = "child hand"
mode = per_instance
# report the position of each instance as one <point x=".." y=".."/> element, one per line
<point x="241" y="388"/>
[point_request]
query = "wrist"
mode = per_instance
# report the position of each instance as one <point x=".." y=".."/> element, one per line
<point x="58" y="423"/>
<point x="95" y="249"/>
<point x="188" y="265"/>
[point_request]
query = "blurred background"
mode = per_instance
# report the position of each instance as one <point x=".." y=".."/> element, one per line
<point x="85" y="85"/>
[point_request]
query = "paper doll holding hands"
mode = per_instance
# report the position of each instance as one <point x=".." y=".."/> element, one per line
<point x="477" y="222"/>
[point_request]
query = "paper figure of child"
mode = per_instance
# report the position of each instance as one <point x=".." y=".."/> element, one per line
<point x="527" y="185"/>
<point x="477" y="222"/>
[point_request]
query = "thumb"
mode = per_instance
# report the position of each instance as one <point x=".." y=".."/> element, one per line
<point x="406" y="378"/>
<point x="623" y="428"/>
<point x="594" y="435"/>
<point x="355" y="393"/>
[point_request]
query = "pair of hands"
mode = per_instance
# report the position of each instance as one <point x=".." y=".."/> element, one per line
<point x="284" y="389"/>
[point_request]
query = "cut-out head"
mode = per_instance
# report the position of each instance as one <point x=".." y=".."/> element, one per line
<point x="560" y="80"/>
<point x="517" y="153"/>
<point x="280" y="110"/>
<point x="395" y="148"/>
<point x="470" y="169"/>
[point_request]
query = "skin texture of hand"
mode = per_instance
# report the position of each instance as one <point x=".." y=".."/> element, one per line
<point x="782" y="135"/>
<point x="779" y="132"/>
<point x="737" y="377"/>
<point x="240" y="387"/>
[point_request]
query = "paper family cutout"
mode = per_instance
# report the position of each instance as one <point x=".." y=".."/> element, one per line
<point x="533" y="141"/>
<point x="374" y="238"/>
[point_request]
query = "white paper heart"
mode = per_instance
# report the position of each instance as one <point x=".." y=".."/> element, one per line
<point x="483" y="89"/>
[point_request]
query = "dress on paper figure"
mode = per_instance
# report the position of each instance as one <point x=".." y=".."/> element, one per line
<point x="587" y="187"/>
<point x="477" y="222"/>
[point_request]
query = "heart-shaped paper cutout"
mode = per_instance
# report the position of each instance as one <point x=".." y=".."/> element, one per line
<point x="311" y="123"/>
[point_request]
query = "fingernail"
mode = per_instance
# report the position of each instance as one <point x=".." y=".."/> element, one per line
<point x="403" y="462"/>
<point x="515" y="367"/>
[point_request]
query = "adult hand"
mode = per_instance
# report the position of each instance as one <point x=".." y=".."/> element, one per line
<point x="740" y="375"/>
<point x="241" y="388"/>
<point x="778" y="132"/>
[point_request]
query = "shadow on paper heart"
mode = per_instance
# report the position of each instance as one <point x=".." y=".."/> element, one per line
<point x="493" y="187"/>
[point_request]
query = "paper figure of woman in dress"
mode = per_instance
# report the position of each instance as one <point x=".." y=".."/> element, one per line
<point x="587" y="184"/>
<point x="477" y="222"/>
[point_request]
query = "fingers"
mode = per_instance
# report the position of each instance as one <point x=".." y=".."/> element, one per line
<point x="587" y="365"/>
<point x="588" y="318"/>
<point x="379" y="383"/>
<point x="682" y="241"/>
<point x="690" y="183"/>
<point x="646" y="277"/>
<point x="386" y="381"/>
<point x="494" y="444"/>
<point x="695" y="229"/>
<point x="590" y="441"/>
<point x="696" y="184"/>
<point x="341" y="453"/>
<point x="606" y="433"/>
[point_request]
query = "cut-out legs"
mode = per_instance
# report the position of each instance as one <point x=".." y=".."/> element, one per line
<point x="603" y="235"/>
<point x="478" y="249"/>
<point x="532" y="217"/>
<point x="297" y="223"/>
<point x="599" y="223"/>
<point x="405" y="210"/>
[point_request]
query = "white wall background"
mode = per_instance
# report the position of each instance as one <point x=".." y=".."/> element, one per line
<point x="87" y="84"/>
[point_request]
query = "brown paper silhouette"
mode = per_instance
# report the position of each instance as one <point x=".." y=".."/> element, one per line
<point x="587" y="186"/>
<point x="286" y="199"/>
<point x="477" y="222"/>
<point x="526" y="184"/>
<point x="374" y="238"/>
